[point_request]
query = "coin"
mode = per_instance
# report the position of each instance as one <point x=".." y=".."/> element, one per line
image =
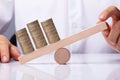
<point x="62" y="56"/>
<point x="24" y="41"/>
<point x="50" y="31"/>
<point x="37" y="34"/>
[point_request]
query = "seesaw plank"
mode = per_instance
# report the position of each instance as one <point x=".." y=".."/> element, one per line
<point x="64" y="42"/>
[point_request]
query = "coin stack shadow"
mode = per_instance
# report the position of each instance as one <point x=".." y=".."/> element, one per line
<point x="36" y="33"/>
<point x="50" y="31"/>
<point x="24" y="41"/>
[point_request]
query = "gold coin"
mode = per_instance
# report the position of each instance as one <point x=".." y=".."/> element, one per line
<point x="36" y="33"/>
<point x="24" y="41"/>
<point x="50" y="31"/>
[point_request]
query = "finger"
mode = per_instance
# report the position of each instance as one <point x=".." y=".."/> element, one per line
<point x="106" y="32"/>
<point x="4" y="51"/>
<point x="114" y="33"/>
<point x="111" y="11"/>
<point x="14" y="52"/>
<point x="118" y="44"/>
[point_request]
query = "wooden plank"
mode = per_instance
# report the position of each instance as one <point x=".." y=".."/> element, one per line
<point x="64" y="42"/>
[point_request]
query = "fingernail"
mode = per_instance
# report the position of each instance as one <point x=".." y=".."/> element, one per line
<point x="102" y="17"/>
<point x="4" y="59"/>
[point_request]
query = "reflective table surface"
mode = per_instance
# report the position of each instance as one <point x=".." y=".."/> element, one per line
<point x="80" y="67"/>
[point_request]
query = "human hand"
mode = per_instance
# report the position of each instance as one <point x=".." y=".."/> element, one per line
<point x="112" y="34"/>
<point x="7" y="50"/>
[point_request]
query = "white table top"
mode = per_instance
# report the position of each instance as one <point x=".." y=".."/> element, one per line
<point x="80" y="67"/>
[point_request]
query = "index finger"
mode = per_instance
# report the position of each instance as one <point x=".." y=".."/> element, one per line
<point x="111" y="11"/>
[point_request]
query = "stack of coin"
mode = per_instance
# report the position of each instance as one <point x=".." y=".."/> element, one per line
<point x="24" y="41"/>
<point x="50" y="31"/>
<point x="36" y="33"/>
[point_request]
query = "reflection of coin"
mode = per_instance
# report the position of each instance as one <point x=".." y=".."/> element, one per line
<point x="50" y="31"/>
<point x="24" y="41"/>
<point x="36" y="34"/>
<point x="62" y="72"/>
<point x="62" y="56"/>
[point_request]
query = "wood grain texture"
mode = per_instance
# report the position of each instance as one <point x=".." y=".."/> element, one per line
<point x="64" y="42"/>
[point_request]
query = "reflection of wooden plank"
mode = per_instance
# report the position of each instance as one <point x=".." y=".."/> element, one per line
<point x="64" y="42"/>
